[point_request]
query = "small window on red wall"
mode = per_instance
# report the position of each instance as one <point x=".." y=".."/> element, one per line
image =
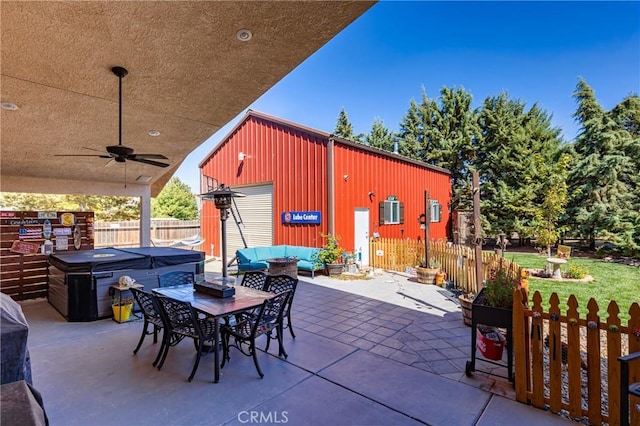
<point x="391" y="212"/>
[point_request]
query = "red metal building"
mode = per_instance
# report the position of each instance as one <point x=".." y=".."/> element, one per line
<point x="300" y="182"/>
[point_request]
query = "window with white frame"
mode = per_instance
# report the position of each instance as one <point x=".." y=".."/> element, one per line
<point x="435" y="211"/>
<point x="391" y="212"/>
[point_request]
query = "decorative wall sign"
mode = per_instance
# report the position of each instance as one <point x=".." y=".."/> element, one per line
<point x="30" y="233"/>
<point x="77" y="237"/>
<point x="62" y="243"/>
<point x="46" y="229"/>
<point x="311" y="217"/>
<point x="25" y="247"/>
<point x="61" y="231"/>
<point x="67" y="219"/>
<point x="47" y="215"/>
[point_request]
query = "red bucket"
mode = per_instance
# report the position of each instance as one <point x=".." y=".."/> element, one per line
<point x="490" y="342"/>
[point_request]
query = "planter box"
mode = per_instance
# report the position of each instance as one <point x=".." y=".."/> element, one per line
<point x="489" y="315"/>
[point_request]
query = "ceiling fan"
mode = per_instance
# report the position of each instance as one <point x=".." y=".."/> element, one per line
<point x="121" y="153"/>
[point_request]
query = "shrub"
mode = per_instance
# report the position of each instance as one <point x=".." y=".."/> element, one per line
<point x="577" y="272"/>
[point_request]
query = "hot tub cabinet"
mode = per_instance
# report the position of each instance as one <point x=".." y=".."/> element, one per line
<point x="79" y="282"/>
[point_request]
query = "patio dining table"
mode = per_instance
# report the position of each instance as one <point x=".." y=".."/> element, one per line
<point x="245" y="298"/>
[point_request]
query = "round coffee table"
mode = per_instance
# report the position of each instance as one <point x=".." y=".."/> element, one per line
<point x="283" y="266"/>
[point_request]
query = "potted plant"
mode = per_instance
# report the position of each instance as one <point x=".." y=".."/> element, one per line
<point x="494" y="303"/>
<point x="330" y="255"/>
<point x="427" y="272"/>
<point x="121" y="307"/>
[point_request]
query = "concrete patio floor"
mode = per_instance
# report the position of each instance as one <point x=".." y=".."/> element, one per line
<point x="356" y="360"/>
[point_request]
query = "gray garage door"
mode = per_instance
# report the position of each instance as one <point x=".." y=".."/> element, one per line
<point x="256" y="212"/>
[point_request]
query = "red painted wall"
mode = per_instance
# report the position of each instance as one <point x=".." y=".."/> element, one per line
<point x="385" y="176"/>
<point x="294" y="158"/>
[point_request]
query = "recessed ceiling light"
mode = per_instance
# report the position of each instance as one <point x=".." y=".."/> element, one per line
<point x="9" y="106"/>
<point x="154" y="133"/>
<point x="244" y="35"/>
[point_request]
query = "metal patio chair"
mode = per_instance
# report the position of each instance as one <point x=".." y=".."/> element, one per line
<point x="151" y="313"/>
<point x="254" y="279"/>
<point x="172" y="278"/>
<point x="279" y="284"/>
<point x="249" y="327"/>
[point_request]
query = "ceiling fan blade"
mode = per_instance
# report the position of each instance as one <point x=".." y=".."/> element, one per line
<point x="93" y="149"/>
<point x="156" y="156"/>
<point x="81" y="155"/>
<point x="153" y="163"/>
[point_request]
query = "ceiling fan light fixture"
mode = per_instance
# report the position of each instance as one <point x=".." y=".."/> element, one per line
<point x="9" y="106"/>
<point x="244" y="35"/>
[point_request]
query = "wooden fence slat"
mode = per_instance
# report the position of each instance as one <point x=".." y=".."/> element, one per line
<point x="594" y="384"/>
<point x="634" y="367"/>
<point x="574" y="360"/>
<point x="613" y="366"/>
<point x="555" y="355"/>
<point x="537" y="358"/>
<point x="519" y="348"/>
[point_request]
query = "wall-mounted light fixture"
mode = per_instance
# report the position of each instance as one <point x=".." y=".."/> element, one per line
<point x="242" y="156"/>
<point x="346" y="177"/>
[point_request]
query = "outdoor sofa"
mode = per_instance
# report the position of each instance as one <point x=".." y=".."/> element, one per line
<point x="255" y="258"/>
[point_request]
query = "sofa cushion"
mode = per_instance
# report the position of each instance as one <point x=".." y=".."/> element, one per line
<point x="263" y="253"/>
<point x="302" y="253"/>
<point x="253" y="266"/>
<point x="307" y="265"/>
<point x="278" y="251"/>
<point x="246" y="255"/>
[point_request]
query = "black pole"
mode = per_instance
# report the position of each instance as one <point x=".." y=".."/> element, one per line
<point x="223" y="220"/>
<point x="427" y="215"/>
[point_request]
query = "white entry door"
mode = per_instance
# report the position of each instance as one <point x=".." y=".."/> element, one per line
<point x="361" y="234"/>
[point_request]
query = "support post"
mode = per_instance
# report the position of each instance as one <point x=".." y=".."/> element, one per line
<point x="427" y="215"/>
<point x="478" y="230"/>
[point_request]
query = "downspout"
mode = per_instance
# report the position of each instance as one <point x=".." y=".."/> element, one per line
<point x="331" y="187"/>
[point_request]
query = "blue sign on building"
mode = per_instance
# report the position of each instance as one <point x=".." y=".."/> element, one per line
<point x="301" y="217"/>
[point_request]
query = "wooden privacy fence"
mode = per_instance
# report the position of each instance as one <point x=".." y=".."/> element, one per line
<point x="127" y="233"/>
<point x="457" y="261"/>
<point x="570" y="363"/>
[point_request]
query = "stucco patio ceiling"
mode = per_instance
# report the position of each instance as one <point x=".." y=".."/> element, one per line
<point x="189" y="74"/>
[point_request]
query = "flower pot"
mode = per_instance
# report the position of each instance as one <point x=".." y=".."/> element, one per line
<point x="465" y="306"/>
<point x="440" y="276"/>
<point x="490" y="315"/>
<point x="122" y="313"/>
<point x="426" y="275"/>
<point x="334" y="268"/>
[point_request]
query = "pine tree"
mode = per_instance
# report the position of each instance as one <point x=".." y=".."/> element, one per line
<point x="598" y="183"/>
<point x="343" y="128"/>
<point x="380" y="136"/>
<point x="410" y="136"/>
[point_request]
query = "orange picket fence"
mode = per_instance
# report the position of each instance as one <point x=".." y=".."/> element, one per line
<point x="571" y="363"/>
<point x="456" y="260"/>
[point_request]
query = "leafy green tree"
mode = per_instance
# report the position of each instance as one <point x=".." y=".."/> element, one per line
<point x="380" y="136"/>
<point x="548" y="213"/>
<point x="603" y="183"/>
<point x="175" y="200"/>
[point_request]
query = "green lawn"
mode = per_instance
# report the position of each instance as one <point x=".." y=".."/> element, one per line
<point x="611" y="281"/>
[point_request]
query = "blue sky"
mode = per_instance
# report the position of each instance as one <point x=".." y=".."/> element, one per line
<point x="535" y="51"/>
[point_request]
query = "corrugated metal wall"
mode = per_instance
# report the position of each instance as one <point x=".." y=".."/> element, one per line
<point x="359" y="172"/>
<point x="294" y="159"/>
